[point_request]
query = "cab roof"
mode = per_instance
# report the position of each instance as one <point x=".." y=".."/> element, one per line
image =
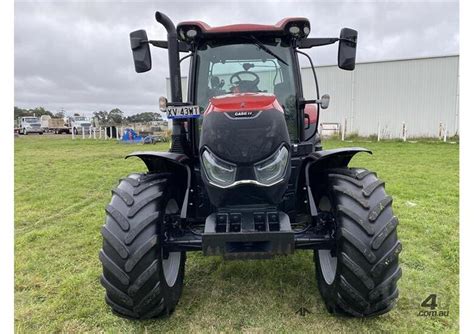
<point x="206" y="31"/>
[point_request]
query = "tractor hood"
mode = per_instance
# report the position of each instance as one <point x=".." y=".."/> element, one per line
<point x="245" y="101"/>
<point x="244" y="148"/>
<point x="244" y="128"/>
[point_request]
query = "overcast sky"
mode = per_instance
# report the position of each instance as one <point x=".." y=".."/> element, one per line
<point x="76" y="55"/>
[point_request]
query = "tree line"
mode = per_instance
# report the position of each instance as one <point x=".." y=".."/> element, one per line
<point x="114" y="116"/>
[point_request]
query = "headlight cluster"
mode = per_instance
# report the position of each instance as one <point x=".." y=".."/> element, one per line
<point x="272" y="169"/>
<point x="218" y="171"/>
<point x="267" y="173"/>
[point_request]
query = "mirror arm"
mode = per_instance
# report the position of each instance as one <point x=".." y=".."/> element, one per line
<point x="183" y="47"/>
<point x="313" y="70"/>
<point x="159" y="44"/>
<point x="305" y="102"/>
<point x="185" y="57"/>
<point x="308" y="43"/>
<point x="302" y="103"/>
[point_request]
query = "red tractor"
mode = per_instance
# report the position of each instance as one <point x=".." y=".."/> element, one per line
<point x="246" y="176"/>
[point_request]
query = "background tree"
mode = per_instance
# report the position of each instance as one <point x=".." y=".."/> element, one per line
<point x="38" y="112"/>
<point x="59" y="114"/>
<point x="144" y="117"/>
<point x="102" y="116"/>
<point x="115" y="116"/>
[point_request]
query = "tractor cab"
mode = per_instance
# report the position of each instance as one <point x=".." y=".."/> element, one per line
<point x="239" y="59"/>
<point x="251" y="58"/>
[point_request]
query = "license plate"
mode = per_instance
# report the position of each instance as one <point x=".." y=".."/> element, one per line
<point x="183" y="112"/>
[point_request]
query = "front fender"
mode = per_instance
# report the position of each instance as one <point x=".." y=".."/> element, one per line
<point x="161" y="161"/>
<point x="324" y="159"/>
<point x="339" y="157"/>
<point x="168" y="162"/>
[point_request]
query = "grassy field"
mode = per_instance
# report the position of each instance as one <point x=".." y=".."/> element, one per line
<point x="62" y="187"/>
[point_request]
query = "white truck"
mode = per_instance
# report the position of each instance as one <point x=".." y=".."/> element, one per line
<point x="29" y="124"/>
<point x="79" y="124"/>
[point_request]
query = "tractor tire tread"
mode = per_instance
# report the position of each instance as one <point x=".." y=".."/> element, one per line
<point x="131" y="259"/>
<point x="367" y="245"/>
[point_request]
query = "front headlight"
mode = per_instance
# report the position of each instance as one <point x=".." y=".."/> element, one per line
<point x="217" y="171"/>
<point x="273" y="169"/>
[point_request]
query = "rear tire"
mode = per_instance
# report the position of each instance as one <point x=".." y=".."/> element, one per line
<point x="140" y="282"/>
<point x="359" y="277"/>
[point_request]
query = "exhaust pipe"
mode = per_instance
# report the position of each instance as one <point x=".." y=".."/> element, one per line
<point x="173" y="56"/>
<point x="179" y="142"/>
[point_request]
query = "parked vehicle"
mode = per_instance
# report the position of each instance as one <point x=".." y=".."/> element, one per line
<point x="153" y="139"/>
<point x="79" y="124"/>
<point x="44" y="119"/>
<point x="250" y="180"/>
<point x="29" y="124"/>
<point x="55" y="125"/>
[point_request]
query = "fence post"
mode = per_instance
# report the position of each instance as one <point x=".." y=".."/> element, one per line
<point x="72" y="134"/>
<point x="90" y="132"/>
<point x="445" y="133"/>
<point x="404" y="132"/>
<point x="440" y="130"/>
<point x="83" y="132"/>
<point x="343" y="132"/>
<point x="117" y="132"/>
<point x="378" y="131"/>
<point x="95" y="137"/>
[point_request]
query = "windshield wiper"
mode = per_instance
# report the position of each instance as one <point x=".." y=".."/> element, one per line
<point x="267" y="50"/>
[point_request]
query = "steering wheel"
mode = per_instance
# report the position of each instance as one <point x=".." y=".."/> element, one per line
<point x="236" y="80"/>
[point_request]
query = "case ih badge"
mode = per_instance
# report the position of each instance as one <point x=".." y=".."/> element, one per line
<point x="252" y="189"/>
<point x="239" y="114"/>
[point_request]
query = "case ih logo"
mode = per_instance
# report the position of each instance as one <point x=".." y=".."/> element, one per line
<point x="243" y="114"/>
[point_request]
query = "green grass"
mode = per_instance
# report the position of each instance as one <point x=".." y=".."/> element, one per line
<point x="62" y="187"/>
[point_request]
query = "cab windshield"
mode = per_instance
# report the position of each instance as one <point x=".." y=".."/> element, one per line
<point x="248" y="66"/>
<point x="31" y="120"/>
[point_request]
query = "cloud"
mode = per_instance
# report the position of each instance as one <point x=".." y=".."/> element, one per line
<point x="76" y="55"/>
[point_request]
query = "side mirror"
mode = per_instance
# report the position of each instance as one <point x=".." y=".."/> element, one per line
<point x="324" y="101"/>
<point x="140" y="50"/>
<point x="347" y="49"/>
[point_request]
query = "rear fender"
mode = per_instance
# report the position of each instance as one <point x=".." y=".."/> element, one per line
<point x="168" y="162"/>
<point x="324" y="159"/>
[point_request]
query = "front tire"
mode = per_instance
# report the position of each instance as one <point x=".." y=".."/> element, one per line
<point x="359" y="277"/>
<point x="140" y="280"/>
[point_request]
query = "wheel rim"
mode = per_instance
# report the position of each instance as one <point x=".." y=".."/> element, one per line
<point x="327" y="262"/>
<point x="172" y="263"/>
